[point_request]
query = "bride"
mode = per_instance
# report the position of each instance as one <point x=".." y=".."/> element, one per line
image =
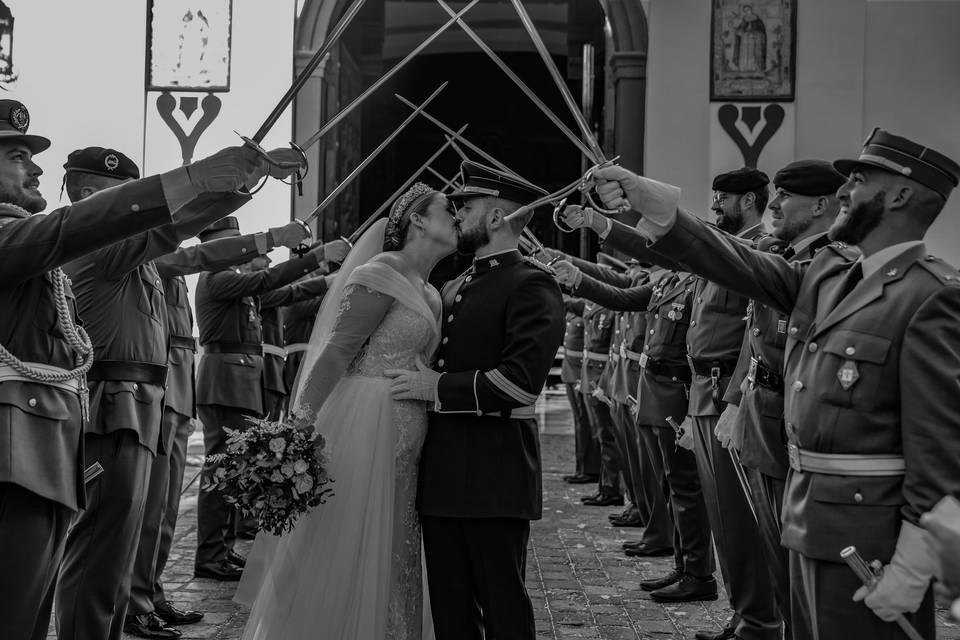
<point x="351" y="568"/>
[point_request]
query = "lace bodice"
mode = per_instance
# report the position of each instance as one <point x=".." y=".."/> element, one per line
<point x="395" y="343"/>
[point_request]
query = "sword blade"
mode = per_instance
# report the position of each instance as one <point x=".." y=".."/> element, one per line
<point x="744" y="484"/>
<point x="389" y="74"/>
<point x="497" y="60"/>
<point x="396" y="194"/>
<point x="363" y="165"/>
<point x="596" y="152"/>
<point x="307" y="71"/>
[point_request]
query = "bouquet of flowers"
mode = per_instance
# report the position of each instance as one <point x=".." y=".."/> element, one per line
<point x="272" y="471"/>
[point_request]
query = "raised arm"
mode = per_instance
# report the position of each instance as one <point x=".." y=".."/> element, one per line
<point x="614" y="298"/>
<point x="229" y="285"/>
<point x="296" y="292"/>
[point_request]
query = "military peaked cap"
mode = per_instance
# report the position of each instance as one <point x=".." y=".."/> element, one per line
<point x="480" y="181"/>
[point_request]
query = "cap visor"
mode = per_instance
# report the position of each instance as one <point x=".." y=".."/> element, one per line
<point x="36" y="144"/>
<point x="847" y="165"/>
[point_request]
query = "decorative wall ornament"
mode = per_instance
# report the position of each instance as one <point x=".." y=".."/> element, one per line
<point x="753" y="50"/>
<point x="751" y="116"/>
<point x="188" y="45"/>
<point x="209" y="109"/>
<point x="8" y="74"/>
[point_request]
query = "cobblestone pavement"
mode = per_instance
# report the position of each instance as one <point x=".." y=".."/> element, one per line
<point x="582" y="586"/>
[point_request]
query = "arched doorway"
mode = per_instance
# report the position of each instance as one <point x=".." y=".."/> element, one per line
<point x="500" y="119"/>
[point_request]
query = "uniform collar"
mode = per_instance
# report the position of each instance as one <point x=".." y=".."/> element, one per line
<point x="811" y="243"/>
<point x="887" y="255"/>
<point x="751" y="232"/>
<point x="495" y="260"/>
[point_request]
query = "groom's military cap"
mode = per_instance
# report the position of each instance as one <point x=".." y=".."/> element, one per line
<point x="905" y="157"/>
<point x="481" y="181"/>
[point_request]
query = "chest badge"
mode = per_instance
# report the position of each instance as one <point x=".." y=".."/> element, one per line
<point x="252" y="316"/>
<point x="848" y="374"/>
<point x="676" y="311"/>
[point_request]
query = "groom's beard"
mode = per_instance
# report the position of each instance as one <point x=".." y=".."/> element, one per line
<point x="469" y="241"/>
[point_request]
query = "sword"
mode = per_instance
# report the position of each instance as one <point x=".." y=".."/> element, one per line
<point x="92" y="472"/>
<point x="535" y="241"/>
<point x="376" y="85"/>
<point x="366" y="161"/>
<point x="870" y="576"/>
<point x="396" y="194"/>
<point x="744" y="484"/>
<point x="446" y="183"/>
<point x="587" y="151"/>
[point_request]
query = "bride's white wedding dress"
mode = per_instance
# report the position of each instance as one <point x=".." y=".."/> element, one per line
<point x="351" y="568"/>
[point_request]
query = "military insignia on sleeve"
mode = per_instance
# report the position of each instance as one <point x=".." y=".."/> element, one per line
<point x="111" y="162"/>
<point x="20" y="118"/>
<point x="848" y="374"/>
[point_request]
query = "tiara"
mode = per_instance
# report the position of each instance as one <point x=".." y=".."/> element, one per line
<point x="392" y="239"/>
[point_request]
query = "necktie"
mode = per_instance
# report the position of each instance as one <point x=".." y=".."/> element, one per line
<point x="789" y="252"/>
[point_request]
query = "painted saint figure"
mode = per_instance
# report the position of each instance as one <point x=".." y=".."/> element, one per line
<point x="750" y="42"/>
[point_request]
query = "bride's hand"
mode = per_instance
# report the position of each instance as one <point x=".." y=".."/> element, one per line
<point x="414" y="385"/>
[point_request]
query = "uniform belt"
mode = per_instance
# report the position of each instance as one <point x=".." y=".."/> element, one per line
<point x="183" y="342"/>
<point x="274" y="350"/>
<point x="597" y="357"/>
<point x="296" y="347"/>
<point x="678" y="372"/>
<point x="631" y="355"/>
<point x="120" y="371"/>
<point x="845" y="464"/>
<point x="233" y="347"/>
<point x="760" y="374"/>
<point x="712" y="368"/>
<point x="9" y="374"/>
<point x="520" y="413"/>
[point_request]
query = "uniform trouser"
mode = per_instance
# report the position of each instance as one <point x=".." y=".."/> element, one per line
<point x="692" y="548"/>
<point x="611" y="460"/>
<point x="586" y="448"/>
<point x="216" y="519"/>
<point x="274" y="403"/>
<point x="737" y="537"/>
<point x="658" y="530"/>
<point x="178" y="462"/>
<point x="146" y="573"/>
<point x="630" y="456"/>
<point x="768" y="492"/>
<point x="821" y="600"/>
<point x="32" y="534"/>
<point x="476" y="569"/>
<point x="94" y="583"/>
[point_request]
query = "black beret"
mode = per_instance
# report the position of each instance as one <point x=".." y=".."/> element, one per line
<point x="227" y="227"/>
<point x="480" y="181"/>
<point x="102" y="162"/>
<point x="742" y="180"/>
<point x="14" y="122"/>
<point x="809" y="178"/>
<point x="899" y="155"/>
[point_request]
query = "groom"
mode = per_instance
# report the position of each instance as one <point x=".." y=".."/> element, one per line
<point x="480" y="477"/>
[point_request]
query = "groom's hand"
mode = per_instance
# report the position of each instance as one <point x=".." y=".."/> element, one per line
<point x="414" y="385"/>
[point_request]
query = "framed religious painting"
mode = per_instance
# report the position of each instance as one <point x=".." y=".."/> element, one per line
<point x="753" y="50"/>
<point x="188" y="45"/>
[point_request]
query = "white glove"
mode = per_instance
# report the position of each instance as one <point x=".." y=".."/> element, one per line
<point x="577" y="217"/>
<point x="567" y="274"/>
<point x="414" y="385"/>
<point x="284" y="162"/>
<point x="290" y="235"/>
<point x="942" y="526"/>
<point x="685" y="439"/>
<point x="227" y="170"/>
<point x="333" y="251"/>
<point x="905" y="580"/>
<point x="656" y="201"/>
<point x="725" y="428"/>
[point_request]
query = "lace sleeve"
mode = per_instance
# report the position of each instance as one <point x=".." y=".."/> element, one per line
<point x="361" y="311"/>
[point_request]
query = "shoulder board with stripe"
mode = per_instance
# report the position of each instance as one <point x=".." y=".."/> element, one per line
<point x="539" y="265"/>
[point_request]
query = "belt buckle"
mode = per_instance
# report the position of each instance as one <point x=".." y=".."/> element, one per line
<point x="715" y="376"/>
<point x="752" y="372"/>
<point x="793" y="453"/>
<point x="643" y="360"/>
<point x="623" y="350"/>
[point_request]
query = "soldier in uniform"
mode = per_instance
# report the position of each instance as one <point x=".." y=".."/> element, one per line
<point x="44" y="354"/>
<point x="229" y="380"/>
<point x="480" y="475"/>
<point x="714" y="338"/>
<point x="871" y="368"/>
<point x="804" y="206"/>
<point x="298" y="321"/>
<point x="147" y="598"/>
<point x="120" y="298"/>
<point x="586" y="448"/>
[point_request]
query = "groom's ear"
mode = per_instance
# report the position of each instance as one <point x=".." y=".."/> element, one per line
<point x="495" y="217"/>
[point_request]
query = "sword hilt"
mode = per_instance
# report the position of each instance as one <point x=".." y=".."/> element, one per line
<point x="587" y="185"/>
<point x="870" y="575"/>
<point x="299" y="175"/>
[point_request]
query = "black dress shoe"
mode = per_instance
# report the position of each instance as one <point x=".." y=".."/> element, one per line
<point x="663" y="581"/>
<point x="643" y="550"/>
<point x="601" y="500"/>
<point x="224" y="571"/>
<point x="725" y="634"/>
<point x="235" y="558"/>
<point x="687" y="589"/>
<point x="149" y="625"/>
<point x="629" y="512"/>
<point x="592" y="496"/>
<point x="633" y="520"/>
<point x="581" y="478"/>
<point x="171" y="615"/>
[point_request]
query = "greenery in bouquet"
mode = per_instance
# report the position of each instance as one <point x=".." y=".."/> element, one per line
<point x="272" y="471"/>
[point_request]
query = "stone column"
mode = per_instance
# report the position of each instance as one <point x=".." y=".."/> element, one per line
<point x="629" y="71"/>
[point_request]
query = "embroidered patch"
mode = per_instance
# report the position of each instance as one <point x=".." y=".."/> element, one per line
<point x="848" y="374"/>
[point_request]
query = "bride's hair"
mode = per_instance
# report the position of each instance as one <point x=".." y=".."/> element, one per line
<point x="415" y="200"/>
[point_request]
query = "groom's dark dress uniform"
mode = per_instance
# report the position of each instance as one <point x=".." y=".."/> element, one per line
<point x="480" y="476"/>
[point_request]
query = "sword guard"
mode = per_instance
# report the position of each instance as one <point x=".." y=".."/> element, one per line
<point x="560" y="224"/>
<point x="587" y="185"/>
<point x="298" y="178"/>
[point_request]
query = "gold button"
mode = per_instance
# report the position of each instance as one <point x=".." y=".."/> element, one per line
<point x="794" y="331"/>
<point x="468" y="279"/>
<point x="450" y="318"/>
<point x="458" y="298"/>
<point x="693" y="323"/>
<point x="134" y="208"/>
<point x="646" y="347"/>
<point x="242" y="361"/>
<point x="136" y="387"/>
<point x="651" y="331"/>
<point x="158" y="282"/>
<point x="756" y="332"/>
<point x="850" y="351"/>
<point x="858" y="497"/>
<point x="446" y="340"/>
<point x="812" y="347"/>
<point x="440" y="362"/>
<point x="32" y="402"/>
<point x="798" y="386"/>
<point x="243" y="250"/>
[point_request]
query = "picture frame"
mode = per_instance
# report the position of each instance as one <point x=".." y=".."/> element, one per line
<point x="188" y="45"/>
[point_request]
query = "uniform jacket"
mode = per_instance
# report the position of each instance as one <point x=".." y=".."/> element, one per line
<point x="40" y="426"/>
<point x="760" y="418"/>
<point x="503" y="322"/>
<point x="227" y="315"/>
<point x="270" y="305"/>
<point x="874" y="373"/>
<point x="298" y="321"/>
<point x="716" y="327"/>
<point x="121" y="300"/>
<point x="572" y="341"/>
